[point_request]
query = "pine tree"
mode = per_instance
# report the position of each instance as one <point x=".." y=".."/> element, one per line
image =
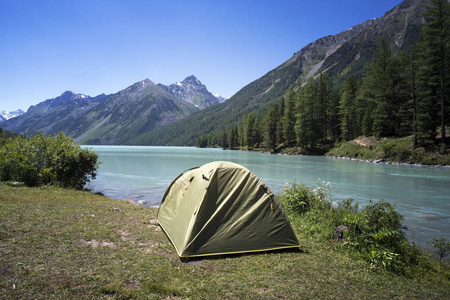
<point x="347" y="109"/>
<point x="407" y="112"/>
<point x="323" y="98"/>
<point x="306" y="117"/>
<point x="365" y="107"/>
<point x="281" y="110"/>
<point x="289" y="118"/>
<point x="233" y="138"/>
<point x="270" y="128"/>
<point x="250" y="131"/>
<point x="257" y="133"/>
<point x="385" y="79"/>
<point x="433" y="74"/>
<point x="333" y="116"/>
<point x="224" y="139"/>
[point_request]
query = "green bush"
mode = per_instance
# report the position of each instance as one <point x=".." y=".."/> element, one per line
<point x="300" y="199"/>
<point x="377" y="233"/>
<point x="441" y="246"/>
<point x="310" y="209"/>
<point x="398" y="150"/>
<point x="374" y="232"/>
<point x="46" y="160"/>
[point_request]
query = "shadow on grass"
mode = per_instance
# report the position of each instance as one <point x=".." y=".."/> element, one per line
<point x="236" y="255"/>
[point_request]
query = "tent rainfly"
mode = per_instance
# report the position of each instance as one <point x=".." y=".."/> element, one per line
<point x="223" y="208"/>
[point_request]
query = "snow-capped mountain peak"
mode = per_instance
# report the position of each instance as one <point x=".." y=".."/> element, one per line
<point x="220" y="98"/>
<point x="192" y="90"/>
<point x="6" y="115"/>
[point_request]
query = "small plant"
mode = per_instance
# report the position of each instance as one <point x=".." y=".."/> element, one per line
<point x="300" y="199"/>
<point x="441" y="246"/>
<point x="348" y="205"/>
<point x="382" y="258"/>
<point x="382" y="215"/>
<point x="296" y="198"/>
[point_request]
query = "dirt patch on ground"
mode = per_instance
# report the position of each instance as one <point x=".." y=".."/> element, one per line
<point x="95" y="244"/>
<point x="370" y="141"/>
<point x="155" y="227"/>
<point x="126" y="236"/>
<point x="152" y="245"/>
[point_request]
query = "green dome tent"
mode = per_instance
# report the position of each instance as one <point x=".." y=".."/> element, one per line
<point x="223" y="208"/>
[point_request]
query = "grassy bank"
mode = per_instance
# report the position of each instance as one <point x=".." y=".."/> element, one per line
<point x="58" y="243"/>
<point x="390" y="150"/>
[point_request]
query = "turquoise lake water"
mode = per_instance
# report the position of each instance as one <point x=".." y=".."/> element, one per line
<point x="421" y="194"/>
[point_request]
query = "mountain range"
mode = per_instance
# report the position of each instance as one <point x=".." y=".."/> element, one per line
<point x="115" y="118"/>
<point x="153" y="114"/>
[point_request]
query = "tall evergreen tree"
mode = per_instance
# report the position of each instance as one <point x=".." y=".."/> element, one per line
<point x="306" y="117"/>
<point x="233" y="138"/>
<point x="324" y="93"/>
<point x="258" y="132"/>
<point x="407" y="112"/>
<point x="385" y="79"/>
<point x="366" y="106"/>
<point x="281" y="110"/>
<point x="333" y="117"/>
<point x="250" y="131"/>
<point x="289" y="118"/>
<point x="224" y="139"/>
<point x="241" y="135"/>
<point x="433" y="77"/>
<point x="270" y="128"/>
<point x="347" y="109"/>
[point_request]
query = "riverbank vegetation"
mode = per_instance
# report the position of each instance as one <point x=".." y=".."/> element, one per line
<point x="374" y="233"/>
<point x="390" y="150"/>
<point x="404" y="95"/>
<point x="63" y="243"/>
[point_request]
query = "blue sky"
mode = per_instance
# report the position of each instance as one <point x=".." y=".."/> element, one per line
<point x="103" y="46"/>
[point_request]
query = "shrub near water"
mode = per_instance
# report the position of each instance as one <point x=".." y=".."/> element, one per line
<point x="301" y="199"/>
<point x="310" y="209"/>
<point x="46" y="160"/>
<point x="374" y="233"/>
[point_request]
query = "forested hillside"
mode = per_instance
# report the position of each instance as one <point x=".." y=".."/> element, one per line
<point x="340" y="57"/>
<point x="399" y="95"/>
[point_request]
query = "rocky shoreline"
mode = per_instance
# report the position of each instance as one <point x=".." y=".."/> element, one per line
<point x="383" y="161"/>
<point x="375" y="161"/>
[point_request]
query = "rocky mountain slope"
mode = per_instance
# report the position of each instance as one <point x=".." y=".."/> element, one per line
<point x="340" y="56"/>
<point x="191" y="90"/>
<point x="52" y="112"/>
<point x="139" y="108"/>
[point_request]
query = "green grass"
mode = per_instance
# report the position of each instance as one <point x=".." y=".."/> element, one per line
<point x="392" y="150"/>
<point x="65" y="244"/>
